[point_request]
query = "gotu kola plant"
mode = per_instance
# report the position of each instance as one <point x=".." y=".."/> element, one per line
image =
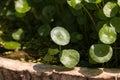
<point x="76" y="15"/>
<point x="68" y="57"/>
<point x="107" y="32"/>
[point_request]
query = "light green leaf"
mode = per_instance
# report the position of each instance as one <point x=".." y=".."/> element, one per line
<point x="21" y="6"/>
<point x="93" y="1"/>
<point x="18" y="34"/>
<point x="100" y="53"/>
<point x="44" y="30"/>
<point x="107" y="34"/>
<point x="53" y="51"/>
<point x="60" y="36"/>
<point x="115" y="22"/>
<point x="75" y="4"/>
<point x="69" y="58"/>
<point x="12" y="45"/>
<point x="118" y="2"/>
<point x="110" y="9"/>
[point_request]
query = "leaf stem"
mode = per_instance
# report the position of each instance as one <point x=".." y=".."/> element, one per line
<point x="90" y="16"/>
<point x="60" y="49"/>
<point x="98" y="6"/>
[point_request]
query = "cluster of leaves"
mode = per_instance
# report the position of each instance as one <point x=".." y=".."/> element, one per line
<point x="81" y="28"/>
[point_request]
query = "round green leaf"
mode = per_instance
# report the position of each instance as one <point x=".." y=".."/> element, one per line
<point x="110" y="9"/>
<point x="93" y="1"/>
<point x="44" y="30"/>
<point x="75" y="3"/>
<point x="18" y="34"/>
<point x="12" y="45"/>
<point x="70" y="58"/>
<point x="21" y="6"/>
<point x="115" y="22"/>
<point x="107" y="34"/>
<point x="118" y="2"/>
<point x="100" y="53"/>
<point x="60" y="36"/>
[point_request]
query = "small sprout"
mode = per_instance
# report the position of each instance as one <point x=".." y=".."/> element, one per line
<point x="18" y="34"/>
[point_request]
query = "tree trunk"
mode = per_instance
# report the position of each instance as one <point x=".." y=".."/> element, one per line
<point x="16" y="70"/>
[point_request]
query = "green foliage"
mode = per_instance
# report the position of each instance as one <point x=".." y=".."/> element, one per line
<point x="18" y="34"/>
<point x="115" y="22"/>
<point x="69" y="58"/>
<point x="100" y="53"/>
<point x="63" y="30"/>
<point x="75" y="37"/>
<point x="12" y="45"/>
<point x="110" y="9"/>
<point x="75" y="4"/>
<point x="44" y="30"/>
<point x="52" y="51"/>
<point x="107" y="34"/>
<point x="22" y="6"/>
<point x="60" y="36"/>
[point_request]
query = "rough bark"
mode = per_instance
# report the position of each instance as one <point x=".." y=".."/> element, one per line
<point x="16" y="70"/>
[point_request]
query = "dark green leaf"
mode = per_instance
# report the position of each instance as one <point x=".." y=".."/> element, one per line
<point x="115" y="22"/>
<point x="75" y="37"/>
<point x="44" y="30"/>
